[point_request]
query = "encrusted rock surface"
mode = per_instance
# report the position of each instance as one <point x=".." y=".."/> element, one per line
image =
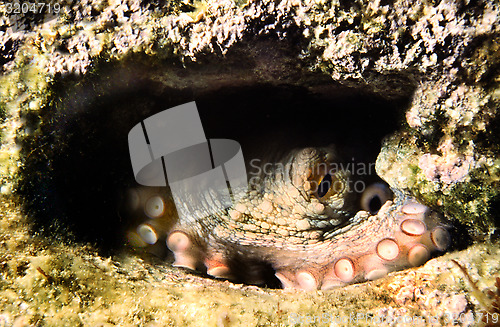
<point x="443" y="57"/>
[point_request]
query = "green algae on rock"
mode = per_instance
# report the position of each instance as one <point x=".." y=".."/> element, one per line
<point x="464" y="186"/>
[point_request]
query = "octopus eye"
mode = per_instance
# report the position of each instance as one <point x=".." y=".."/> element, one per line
<point x="374" y="197"/>
<point x="325" y="185"/>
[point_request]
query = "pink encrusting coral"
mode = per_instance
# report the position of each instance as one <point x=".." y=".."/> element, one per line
<point x="447" y="169"/>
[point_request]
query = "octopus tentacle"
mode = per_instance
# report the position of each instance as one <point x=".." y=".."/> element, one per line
<point x="304" y="222"/>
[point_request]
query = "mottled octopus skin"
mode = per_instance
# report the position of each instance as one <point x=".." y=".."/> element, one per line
<point x="283" y="224"/>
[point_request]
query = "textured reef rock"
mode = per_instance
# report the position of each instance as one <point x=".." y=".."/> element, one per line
<point x="436" y="63"/>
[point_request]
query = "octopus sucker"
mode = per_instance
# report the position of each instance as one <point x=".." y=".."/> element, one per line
<point x="303" y="221"/>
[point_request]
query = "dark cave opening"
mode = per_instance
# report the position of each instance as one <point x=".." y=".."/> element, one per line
<point x="79" y="164"/>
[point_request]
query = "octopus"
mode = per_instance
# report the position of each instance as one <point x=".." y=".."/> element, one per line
<point x="302" y="224"/>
